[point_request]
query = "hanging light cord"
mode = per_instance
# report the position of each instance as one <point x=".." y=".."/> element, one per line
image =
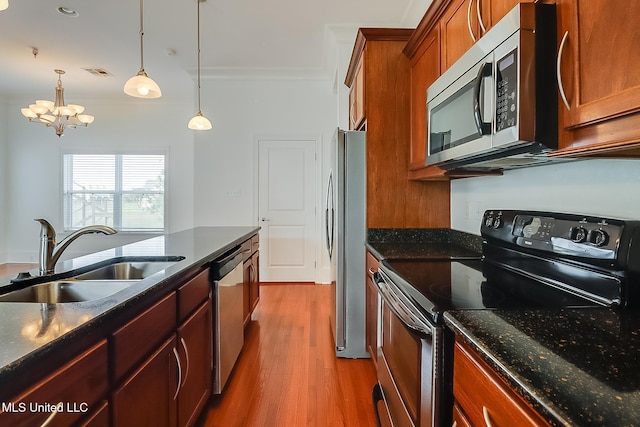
<point x="199" y="110"/>
<point x="141" y="37"/>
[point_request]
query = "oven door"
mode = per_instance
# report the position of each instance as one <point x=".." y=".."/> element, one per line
<point x="407" y="361"/>
<point x="460" y="115"/>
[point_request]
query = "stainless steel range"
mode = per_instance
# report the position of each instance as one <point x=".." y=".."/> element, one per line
<point x="529" y="260"/>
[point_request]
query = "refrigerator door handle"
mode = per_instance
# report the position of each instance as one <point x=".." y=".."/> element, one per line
<point x="329" y="215"/>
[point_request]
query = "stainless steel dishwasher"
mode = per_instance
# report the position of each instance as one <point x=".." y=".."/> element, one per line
<point x="228" y="327"/>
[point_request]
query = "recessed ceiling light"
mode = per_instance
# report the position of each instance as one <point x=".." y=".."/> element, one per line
<point x="68" y="12"/>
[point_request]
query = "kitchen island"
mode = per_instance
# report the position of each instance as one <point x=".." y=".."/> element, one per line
<point x="39" y="338"/>
<point x="574" y="366"/>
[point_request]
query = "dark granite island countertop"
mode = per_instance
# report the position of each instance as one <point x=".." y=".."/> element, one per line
<point x="577" y="367"/>
<point x="422" y="243"/>
<point x="24" y="357"/>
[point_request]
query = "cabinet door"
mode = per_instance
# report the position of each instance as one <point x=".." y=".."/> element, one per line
<point x="484" y="397"/>
<point x="492" y="11"/>
<point x="254" y="284"/>
<point x="425" y="69"/>
<point x="83" y="381"/>
<point x="372" y="310"/>
<point x="195" y="349"/>
<point x="247" y="272"/>
<point x="149" y="396"/>
<point x="600" y="59"/>
<point x="459" y="30"/>
<point x="356" y="99"/>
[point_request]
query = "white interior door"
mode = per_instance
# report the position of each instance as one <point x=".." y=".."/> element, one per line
<point x="287" y="210"/>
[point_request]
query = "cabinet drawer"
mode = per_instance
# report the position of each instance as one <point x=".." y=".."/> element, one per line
<point x="246" y="249"/>
<point x="192" y="293"/>
<point x="482" y="394"/>
<point x="255" y="243"/>
<point x="79" y="385"/>
<point x="139" y="337"/>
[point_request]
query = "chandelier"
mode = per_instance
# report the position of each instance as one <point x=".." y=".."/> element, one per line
<point x="57" y="114"/>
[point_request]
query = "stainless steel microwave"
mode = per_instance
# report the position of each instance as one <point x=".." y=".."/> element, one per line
<point x="496" y="107"/>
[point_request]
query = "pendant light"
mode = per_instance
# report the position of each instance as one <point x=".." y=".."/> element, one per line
<point x="140" y="85"/>
<point x="199" y="122"/>
<point x="4" y="4"/>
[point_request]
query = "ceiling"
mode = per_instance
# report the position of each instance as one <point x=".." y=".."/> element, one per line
<point x="290" y="38"/>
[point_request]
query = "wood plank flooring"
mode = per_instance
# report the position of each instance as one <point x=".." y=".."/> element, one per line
<point x="288" y="374"/>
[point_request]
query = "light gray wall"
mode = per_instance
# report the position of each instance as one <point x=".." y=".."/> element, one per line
<point x="35" y="184"/>
<point x="3" y="178"/>
<point x="608" y="188"/>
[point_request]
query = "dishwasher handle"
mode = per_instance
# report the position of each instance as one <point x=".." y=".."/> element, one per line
<point x="223" y="266"/>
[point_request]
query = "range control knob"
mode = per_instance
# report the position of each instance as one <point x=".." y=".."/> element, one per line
<point x="598" y="237"/>
<point x="497" y="222"/>
<point x="578" y="234"/>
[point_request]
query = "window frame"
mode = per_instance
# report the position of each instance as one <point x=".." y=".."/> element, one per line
<point x="111" y="152"/>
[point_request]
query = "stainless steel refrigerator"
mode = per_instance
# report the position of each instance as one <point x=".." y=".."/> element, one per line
<point x="345" y="231"/>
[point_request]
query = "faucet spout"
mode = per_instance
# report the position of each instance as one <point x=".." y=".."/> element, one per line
<point x="50" y="251"/>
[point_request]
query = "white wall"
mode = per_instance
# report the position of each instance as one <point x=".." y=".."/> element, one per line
<point x="242" y="110"/>
<point x="3" y="178"/>
<point x="35" y="185"/>
<point x="608" y="188"/>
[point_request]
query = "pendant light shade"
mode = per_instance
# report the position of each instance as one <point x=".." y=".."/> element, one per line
<point x="4" y="4"/>
<point x="199" y="121"/>
<point x="141" y="85"/>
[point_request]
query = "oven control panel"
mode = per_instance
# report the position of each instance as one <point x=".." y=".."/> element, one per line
<point x="563" y="234"/>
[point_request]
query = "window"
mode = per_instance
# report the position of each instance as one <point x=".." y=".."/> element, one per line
<point x="123" y="191"/>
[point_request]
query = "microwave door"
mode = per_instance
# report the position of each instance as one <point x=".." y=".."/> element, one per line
<point x="460" y="117"/>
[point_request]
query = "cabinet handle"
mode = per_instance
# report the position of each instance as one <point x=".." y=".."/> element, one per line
<point x="51" y="417"/>
<point x="479" y="13"/>
<point x="186" y="354"/>
<point x="487" y="418"/>
<point x="371" y="272"/>
<point x="455" y="424"/>
<point x="473" y="36"/>
<point x="175" y="353"/>
<point x="558" y="73"/>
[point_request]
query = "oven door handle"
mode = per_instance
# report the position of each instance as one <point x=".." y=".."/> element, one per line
<point x="400" y="308"/>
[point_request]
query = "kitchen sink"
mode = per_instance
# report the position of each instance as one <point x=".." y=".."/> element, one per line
<point x="62" y="291"/>
<point x="127" y="270"/>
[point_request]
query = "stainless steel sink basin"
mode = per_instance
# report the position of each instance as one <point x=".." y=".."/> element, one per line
<point x="65" y="291"/>
<point x="126" y="270"/>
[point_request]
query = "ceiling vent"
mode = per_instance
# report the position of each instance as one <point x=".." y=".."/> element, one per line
<point x="100" y="72"/>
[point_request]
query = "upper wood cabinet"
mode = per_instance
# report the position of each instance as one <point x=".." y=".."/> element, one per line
<point x="599" y="83"/>
<point x="356" y="99"/>
<point x="489" y="12"/>
<point x="459" y="30"/>
<point x="392" y="200"/>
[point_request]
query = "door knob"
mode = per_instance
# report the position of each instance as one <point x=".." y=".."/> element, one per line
<point x="264" y="219"/>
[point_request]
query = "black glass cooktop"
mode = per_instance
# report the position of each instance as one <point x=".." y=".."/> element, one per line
<point x="440" y="285"/>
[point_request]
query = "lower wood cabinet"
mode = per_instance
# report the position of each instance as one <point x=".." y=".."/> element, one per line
<point x="171" y="386"/>
<point x="251" y="277"/>
<point x="148" y="397"/>
<point x="78" y="387"/>
<point x="372" y="308"/>
<point x="483" y="398"/>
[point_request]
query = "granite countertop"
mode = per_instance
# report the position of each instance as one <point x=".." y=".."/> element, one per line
<point x="423" y="243"/>
<point x="576" y="366"/>
<point x="21" y="350"/>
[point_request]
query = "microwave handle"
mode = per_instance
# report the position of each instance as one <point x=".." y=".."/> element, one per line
<point x="485" y="71"/>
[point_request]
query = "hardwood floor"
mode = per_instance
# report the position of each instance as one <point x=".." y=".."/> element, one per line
<point x="288" y="374"/>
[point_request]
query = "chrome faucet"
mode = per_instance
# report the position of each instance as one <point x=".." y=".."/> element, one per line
<point x="50" y="251"/>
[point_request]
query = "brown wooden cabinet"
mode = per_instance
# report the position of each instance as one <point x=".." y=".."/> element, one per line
<point x="251" y="277"/>
<point x="79" y="386"/>
<point x="195" y="349"/>
<point x="148" y="396"/>
<point x="481" y="396"/>
<point x="356" y="99"/>
<point x="459" y="30"/>
<point x="171" y="386"/>
<point x="599" y="59"/>
<point x="372" y="308"/>
<point x="492" y="11"/>
<point x="392" y="200"/>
